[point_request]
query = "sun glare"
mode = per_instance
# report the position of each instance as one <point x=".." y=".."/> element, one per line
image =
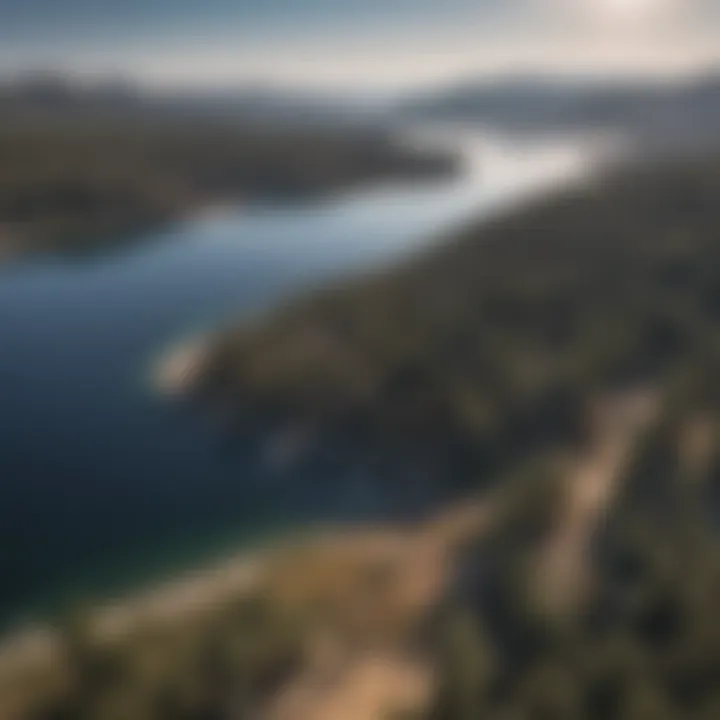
<point x="630" y="12"/>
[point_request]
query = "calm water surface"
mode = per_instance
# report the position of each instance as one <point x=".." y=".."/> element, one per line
<point x="101" y="480"/>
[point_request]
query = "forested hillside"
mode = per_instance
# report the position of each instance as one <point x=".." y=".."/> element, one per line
<point x="79" y="180"/>
<point x="493" y="343"/>
<point x="594" y="595"/>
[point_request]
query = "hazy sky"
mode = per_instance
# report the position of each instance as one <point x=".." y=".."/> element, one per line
<point x="384" y="44"/>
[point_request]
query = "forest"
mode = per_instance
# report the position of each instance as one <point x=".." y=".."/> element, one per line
<point x="79" y="181"/>
<point x="493" y="342"/>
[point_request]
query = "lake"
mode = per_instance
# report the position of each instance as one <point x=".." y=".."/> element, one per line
<point x="103" y="482"/>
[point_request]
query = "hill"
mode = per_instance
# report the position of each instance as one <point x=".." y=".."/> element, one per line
<point x="653" y="113"/>
<point x="491" y="344"/>
<point x="80" y="171"/>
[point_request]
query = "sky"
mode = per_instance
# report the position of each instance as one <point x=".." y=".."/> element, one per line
<point x="357" y="44"/>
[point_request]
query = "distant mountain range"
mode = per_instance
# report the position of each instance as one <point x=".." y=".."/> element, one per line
<point x="677" y="113"/>
<point x="684" y="111"/>
<point x="48" y="93"/>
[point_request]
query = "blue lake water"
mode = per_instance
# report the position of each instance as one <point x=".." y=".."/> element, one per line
<point x="102" y="480"/>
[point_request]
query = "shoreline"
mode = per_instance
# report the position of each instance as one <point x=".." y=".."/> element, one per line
<point x="379" y="581"/>
<point x="37" y="648"/>
<point x="195" y="590"/>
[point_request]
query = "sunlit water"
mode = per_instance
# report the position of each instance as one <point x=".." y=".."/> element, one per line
<point x="103" y="481"/>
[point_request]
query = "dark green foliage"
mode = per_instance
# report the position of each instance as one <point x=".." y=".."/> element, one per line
<point x="213" y="667"/>
<point x="490" y="346"/>
<point x="80" y="182"/>
<point x="645" y="644"/>
<point x="495" y="345"/>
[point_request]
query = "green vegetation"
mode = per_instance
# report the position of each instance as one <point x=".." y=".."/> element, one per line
<point x="494" y="348"/>
<point x="219" y="664"/>
<point x="76" y="183"/>
<point x="644" y="643"/>
<point x="493" y="343"/>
